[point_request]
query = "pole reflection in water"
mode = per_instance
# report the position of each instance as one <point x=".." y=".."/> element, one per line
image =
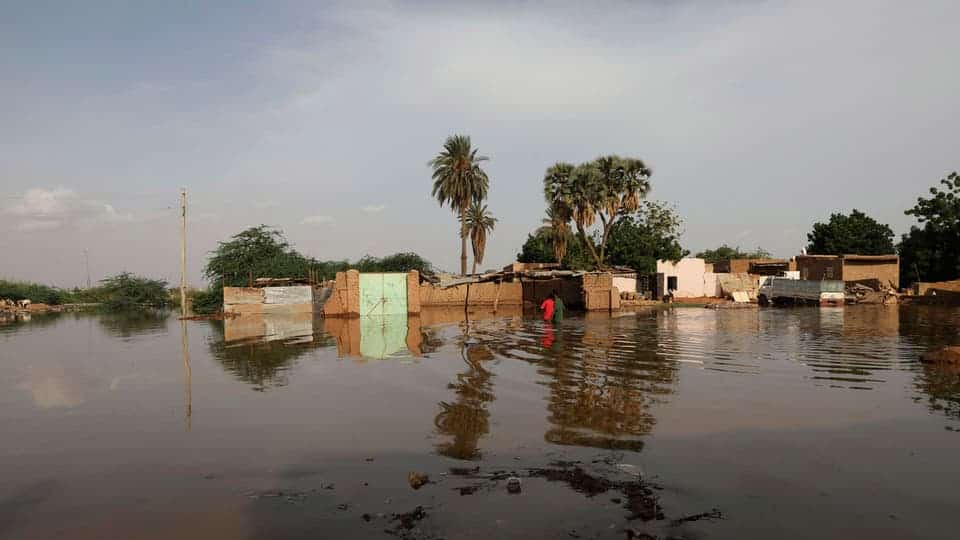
<point x="188" y="375"/>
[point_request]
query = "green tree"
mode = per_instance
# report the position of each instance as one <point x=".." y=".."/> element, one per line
<point x="604" y="189"/>
<point x="650" y="234"/>
<point x="931" y="250"/>
<point x="255" y="252"/>
<point x="398" y="262"/>
<point x="855" y="234"/>
<point x="125" y="291"/>
<point x="726" y="253"/>
<point x="459" y="180"/>
<point x="479" y="223"/>
<point x="539" y="248"/>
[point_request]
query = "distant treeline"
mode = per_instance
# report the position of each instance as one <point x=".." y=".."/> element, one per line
<point x="125" y="290"/>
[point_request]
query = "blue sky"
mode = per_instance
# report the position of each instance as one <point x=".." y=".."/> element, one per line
<point x="758" y="119"/>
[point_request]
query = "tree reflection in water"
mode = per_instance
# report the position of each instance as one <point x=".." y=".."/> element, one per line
<point x="603" y="377"/>
<point x="928" y="328"/>
<point x="467" y="419"/>
<point x="941" y="384"/>
<point x="603" y="381"/>
<point x="127" y="323"/>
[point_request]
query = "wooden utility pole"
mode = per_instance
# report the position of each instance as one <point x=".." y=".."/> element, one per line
<point x="86" y="260"/>
<point x="183" y="252"/>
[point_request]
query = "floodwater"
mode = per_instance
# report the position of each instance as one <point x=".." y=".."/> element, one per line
<point x="776" y="423"/>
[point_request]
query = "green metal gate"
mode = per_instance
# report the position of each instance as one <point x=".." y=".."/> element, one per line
<point x="383" y="294"/>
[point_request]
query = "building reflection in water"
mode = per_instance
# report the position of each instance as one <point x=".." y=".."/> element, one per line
<point x="261" y="349"/>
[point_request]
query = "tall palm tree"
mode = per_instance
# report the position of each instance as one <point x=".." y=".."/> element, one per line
<point x="459" y="180"/>
<point x="479" y="223"/>
<point x="556" y="227"/>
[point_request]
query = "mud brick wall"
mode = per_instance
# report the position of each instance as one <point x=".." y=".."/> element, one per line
<point x="344" y="300"/>
<point x="413" y="292"/>
<point x="820" y="268"/>
<point x="940" y="287"/>
<point x="511" y="294"/>
<point x="888" y="273"/>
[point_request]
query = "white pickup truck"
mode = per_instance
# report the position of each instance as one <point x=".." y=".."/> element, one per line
<point x="778" y="290"/>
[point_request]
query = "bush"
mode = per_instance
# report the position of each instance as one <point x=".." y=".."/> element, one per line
<point x="126" y="290"/>
<point x="21" y="290"/>
<point x="206" y="301"/>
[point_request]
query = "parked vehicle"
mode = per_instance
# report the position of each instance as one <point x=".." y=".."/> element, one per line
<point x="778" y="290"/>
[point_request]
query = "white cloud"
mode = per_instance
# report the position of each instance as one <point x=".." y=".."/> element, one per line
<point x="374" y="208"/>
<point x="43" y="209"/>
<point x="317" y="220"/>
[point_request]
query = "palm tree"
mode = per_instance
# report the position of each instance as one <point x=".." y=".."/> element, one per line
<point x="556" y="227"/>
<point x="459" y="180"/>
<point x="606" y="188"/>
<point x="479" y="223"/>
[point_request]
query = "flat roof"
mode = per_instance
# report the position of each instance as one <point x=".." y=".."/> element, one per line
<point x="872" y="258"/>
<point x="865" y="258"/>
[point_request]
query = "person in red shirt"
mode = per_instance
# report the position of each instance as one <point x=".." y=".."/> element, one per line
<point x="547" y="308"/>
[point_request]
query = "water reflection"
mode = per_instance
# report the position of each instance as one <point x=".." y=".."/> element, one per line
<point x="466" y="420"/>
<point x="125" y="324"/>
<point x="603" y="376"/>
<point x="941" y="386"/>
<point x="187" y="374"/>
<point x="264" y="348"/>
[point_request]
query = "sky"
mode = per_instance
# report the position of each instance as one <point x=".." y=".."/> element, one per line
<point x="757" y="118"/>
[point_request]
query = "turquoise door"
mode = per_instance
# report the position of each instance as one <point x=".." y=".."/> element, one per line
<point x="383" y="294"/>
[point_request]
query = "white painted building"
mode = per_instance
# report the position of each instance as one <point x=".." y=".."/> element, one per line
<point x="686" y="278"/>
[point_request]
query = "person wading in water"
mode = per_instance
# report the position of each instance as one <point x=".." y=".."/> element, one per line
<point x="552" y="307"/>
<point x="557" y="307"/>
<point x="547" y="308"/>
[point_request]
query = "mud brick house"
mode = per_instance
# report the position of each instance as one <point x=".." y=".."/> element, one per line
<point x="873" y="270"/>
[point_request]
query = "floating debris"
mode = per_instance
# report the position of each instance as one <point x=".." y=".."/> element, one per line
<point x="408" y="520"/>
<point x="417" y="480"/>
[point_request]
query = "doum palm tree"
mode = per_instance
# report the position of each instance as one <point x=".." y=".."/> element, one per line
<point x="459" y="180"/>
<point x="556" y="228"/>
<point x="479" y="223"/>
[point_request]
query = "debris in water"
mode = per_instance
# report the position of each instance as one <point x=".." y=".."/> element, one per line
<point x="468" y="490"/>
<point x="417" y="480"/>
<point x="641" y="501"/>
<point x="408" y="520"/>
<point x="464" y="471"/>
<point x="712" y="514"/>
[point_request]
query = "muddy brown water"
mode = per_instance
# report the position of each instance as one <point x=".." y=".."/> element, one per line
<point x="788" y="423"/>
